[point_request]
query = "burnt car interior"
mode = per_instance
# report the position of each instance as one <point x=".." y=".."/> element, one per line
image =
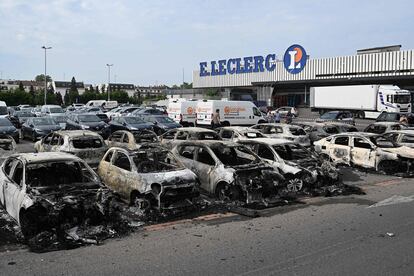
<point x="87" y="142"/>
<point x="291" y="152"/>
<point x="154" y="161"/>
<point x="234" y="156"/>
<point x="143" y="136"/>
<point x="57" y="173"/>
<point x="297" y="131"/>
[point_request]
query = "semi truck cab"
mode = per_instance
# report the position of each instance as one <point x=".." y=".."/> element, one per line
<point x="394" y="100"/>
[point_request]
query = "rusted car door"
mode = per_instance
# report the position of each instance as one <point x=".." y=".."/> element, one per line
<point x="363" y="153"/>
<point x="339" y="150"/>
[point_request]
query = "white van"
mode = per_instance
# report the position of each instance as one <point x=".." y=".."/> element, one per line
<point x="240" y="113"/>
<point x="183" y="112"/>
<point x="95" y="103"/>
<point x="110" y="104"/>
<point x="102" y="103"/>
<point x="52" y="110"/>
<point x="3" y="109"/>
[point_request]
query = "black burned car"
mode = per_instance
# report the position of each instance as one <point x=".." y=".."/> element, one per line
<point x="38" y="127"/>
<point x="88" y="122"/>
<point x="51" y="193"/>
<point x="230" y="171"/>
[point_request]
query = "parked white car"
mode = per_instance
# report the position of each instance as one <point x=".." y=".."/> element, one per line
<point x="284" y="131"/>
<point x="283" y="111"/>
<point x="367" y="150"/>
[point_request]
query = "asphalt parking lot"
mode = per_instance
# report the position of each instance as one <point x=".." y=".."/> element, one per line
<point x="302" y="237"/>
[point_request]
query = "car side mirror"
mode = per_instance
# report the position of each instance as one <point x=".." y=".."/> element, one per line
<point x="155" y="123"/>
<point x="31" y="125"/>
<point x="124" y="123"/>
<point x="76" y="121"/>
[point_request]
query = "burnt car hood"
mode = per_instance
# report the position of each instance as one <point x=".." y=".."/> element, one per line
<point x="402" y="151"/>
<point x="176" y="178"/>
<point x="54" y="194"/>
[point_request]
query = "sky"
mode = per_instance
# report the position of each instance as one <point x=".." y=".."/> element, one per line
<point x="153" y="42"/>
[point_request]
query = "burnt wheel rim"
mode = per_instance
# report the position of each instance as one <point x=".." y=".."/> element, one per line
<point x="294" y="185"/>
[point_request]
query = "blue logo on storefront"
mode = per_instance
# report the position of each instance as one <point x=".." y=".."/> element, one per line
<point x="295" y="59"/>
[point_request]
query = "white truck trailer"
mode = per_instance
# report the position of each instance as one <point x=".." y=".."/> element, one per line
<point x="365" y="101"/>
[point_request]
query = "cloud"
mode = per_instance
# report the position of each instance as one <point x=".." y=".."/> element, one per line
<point x="152" y="41"/>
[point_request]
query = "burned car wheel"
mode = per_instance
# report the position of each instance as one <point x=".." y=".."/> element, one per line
<point x="388" y="167"/>
<point x="226" y="192"/>
<point x="143" y="204"/>
<point x="294" y="184"/>
<point x="29" y="224"/>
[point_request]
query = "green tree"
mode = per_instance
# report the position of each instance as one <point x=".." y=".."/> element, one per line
<point x="59" y="99"/>
<point x="66" y="98"/>
<point x="41" y="77"/>
<point x="21" y="87"/>
<point x="73" y="92"/>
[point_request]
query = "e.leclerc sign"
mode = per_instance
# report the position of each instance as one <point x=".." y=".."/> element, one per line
<point x="294" y="61"/>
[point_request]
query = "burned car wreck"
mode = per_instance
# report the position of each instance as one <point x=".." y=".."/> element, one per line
<point x="369" y="151"/>
<point x="148" y="178"/>
<point x="230" y="171"/>
<point x="58" y="201"/>
<point x="85" y="144"/>
<point x="301" y="167"/>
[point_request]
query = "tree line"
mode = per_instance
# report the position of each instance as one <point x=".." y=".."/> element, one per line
<point x="17" y="96"/>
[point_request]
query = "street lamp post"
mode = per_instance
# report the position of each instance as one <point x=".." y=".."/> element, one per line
<point x="109" y="80"/>
<point x="46" y="48"/>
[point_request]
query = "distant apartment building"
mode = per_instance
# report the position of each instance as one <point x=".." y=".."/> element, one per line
<point x="155" y="90"/>
<point x="127" y="87"/>
<point x="14" y="84"/>
<point x="64" y="86"/>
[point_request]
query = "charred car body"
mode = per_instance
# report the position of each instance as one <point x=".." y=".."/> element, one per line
<point x="230" y="171"/>
<point x="150" y="177"/>
<point x="85" y="144"/>
<point x="131" y="140"/>
<point x="284" y="131"/>
<point x="300" y="167"/>
<point x="176" y="136"/>
<point x="50" y="192"/>
<point x="237" y="133"/>
<point x="367" y="150"/>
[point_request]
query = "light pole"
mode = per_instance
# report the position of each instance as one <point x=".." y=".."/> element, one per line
<point x="109" y="80"/>
<point x="46" y="48"/>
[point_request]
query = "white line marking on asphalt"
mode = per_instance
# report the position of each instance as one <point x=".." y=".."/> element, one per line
<point x="395" y="199"/>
